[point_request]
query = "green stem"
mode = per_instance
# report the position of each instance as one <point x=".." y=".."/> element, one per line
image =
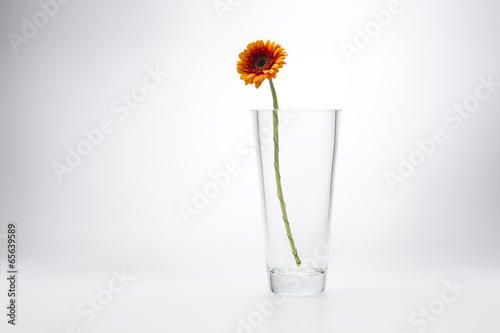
<point x="277" y="173"/>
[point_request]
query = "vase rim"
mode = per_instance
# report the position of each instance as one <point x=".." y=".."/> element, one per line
<point x="299" y="110"/>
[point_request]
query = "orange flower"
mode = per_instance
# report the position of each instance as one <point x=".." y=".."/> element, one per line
<point x="260" y="61"/>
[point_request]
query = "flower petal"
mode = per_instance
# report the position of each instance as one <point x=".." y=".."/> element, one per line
<point x="255" y="72"/>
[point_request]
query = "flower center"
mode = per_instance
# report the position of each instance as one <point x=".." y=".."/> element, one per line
<point x="261" y="62"/>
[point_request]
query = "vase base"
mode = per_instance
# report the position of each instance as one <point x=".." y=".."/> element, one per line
<point x="298" y="281"/>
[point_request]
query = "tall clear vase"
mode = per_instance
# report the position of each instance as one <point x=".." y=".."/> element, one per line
<point x="297" y="155"/>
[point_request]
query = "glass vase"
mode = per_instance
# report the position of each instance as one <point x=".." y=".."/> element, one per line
<point x="297" y="155"/>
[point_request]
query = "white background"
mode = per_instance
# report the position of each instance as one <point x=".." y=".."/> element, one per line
<point x="119" y="209"/>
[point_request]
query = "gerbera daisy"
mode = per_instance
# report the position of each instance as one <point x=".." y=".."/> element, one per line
<point x="260" y="61"/>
